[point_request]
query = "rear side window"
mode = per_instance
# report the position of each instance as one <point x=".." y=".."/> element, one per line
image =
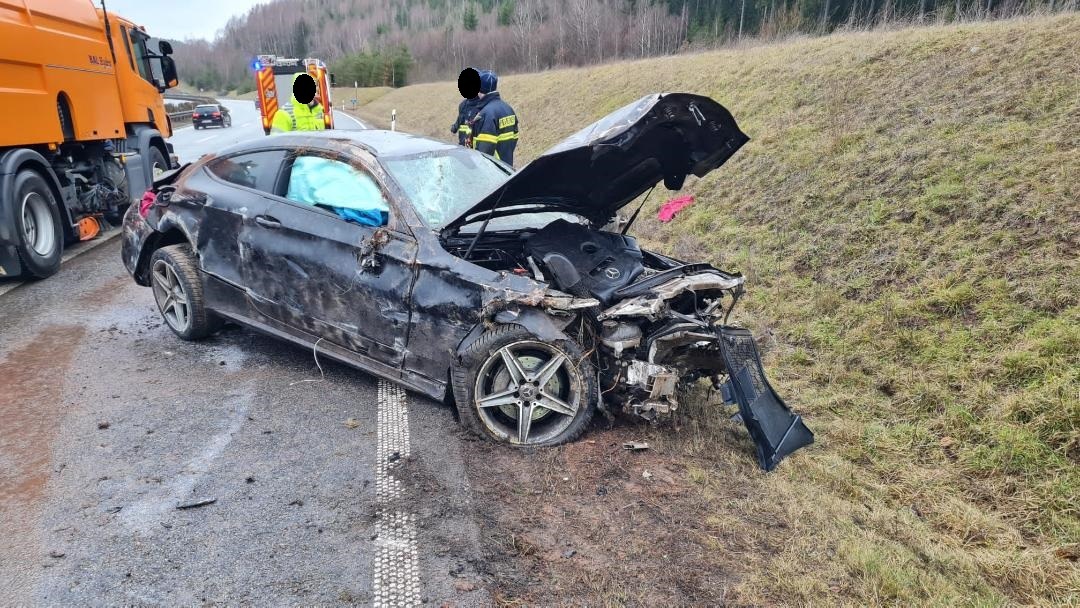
<point x="257" y="170"/>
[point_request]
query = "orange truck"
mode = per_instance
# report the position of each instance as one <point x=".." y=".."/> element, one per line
<point x="82" y="125"/>
<point x="273" y="83"/>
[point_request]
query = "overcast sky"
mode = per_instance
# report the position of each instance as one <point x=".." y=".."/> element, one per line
<point x="180" y="20"/>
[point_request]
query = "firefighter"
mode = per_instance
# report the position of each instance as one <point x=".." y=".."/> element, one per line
<point x="305" y="113"/>
<point x="469" y="87"/>
<point x="495" y="126"/>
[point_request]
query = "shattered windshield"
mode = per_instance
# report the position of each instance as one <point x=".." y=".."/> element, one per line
<point x="442" y="185"/>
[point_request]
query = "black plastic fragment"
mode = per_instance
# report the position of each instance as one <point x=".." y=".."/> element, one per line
<point x="775" y="429"/>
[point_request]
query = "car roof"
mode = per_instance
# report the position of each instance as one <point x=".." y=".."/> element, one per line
<point x="378" y="142"/>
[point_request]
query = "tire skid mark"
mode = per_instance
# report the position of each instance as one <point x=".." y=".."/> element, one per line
<point x="396" y="571"/>
<point x="144" y="515"/>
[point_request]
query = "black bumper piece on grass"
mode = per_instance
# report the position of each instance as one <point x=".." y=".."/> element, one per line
<point x="775" y="429"/>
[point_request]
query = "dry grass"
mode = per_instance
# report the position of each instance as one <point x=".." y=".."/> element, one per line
<point x="907" y="214"/>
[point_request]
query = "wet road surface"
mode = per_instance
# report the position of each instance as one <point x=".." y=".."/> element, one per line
<point x="327" y="486"/>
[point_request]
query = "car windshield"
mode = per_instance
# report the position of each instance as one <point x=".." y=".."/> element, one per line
<point x="206" y="109"/>
<point x="442" y="185"/>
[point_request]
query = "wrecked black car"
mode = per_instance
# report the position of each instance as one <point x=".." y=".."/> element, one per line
<point x="441" y="268"/>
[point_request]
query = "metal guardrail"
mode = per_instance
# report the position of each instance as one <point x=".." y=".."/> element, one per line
<point x="194" y="98"/>
<point x="180" y="117"/>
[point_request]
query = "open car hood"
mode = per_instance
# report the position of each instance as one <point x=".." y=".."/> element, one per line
<point x="598" y="170"/>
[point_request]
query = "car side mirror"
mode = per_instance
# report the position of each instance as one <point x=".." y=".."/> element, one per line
<point x="165" y="47"/>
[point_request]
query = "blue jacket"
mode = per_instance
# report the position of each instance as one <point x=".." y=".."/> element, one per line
<point x="495" y="128"/>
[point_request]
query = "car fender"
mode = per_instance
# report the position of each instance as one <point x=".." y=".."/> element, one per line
<point x="170" y="230"/>
<point x="538" y="322"/>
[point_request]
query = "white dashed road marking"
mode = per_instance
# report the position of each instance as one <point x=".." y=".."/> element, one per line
<point x="397" y="574"/>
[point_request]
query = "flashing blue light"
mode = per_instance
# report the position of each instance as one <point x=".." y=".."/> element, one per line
<point x="257" y="65"/>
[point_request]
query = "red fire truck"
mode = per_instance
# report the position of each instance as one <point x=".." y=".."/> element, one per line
<point x="273" y="79"/>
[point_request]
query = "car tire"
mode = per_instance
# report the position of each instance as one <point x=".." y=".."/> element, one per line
<point x="178" y="292"/>
<point x="483" y="374"/>
<point x="39" y="233"/>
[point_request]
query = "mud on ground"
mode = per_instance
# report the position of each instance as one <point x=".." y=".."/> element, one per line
<point x="592" y="523"/>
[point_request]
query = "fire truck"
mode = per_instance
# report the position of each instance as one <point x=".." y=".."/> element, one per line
<point x="273" y="80"/>
<point x="82" y="125"/>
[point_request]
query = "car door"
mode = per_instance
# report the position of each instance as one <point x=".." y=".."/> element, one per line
<point x="237" y="189"/>
<point x="346" y="282"/>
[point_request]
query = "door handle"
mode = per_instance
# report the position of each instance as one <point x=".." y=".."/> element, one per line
<point x="267" y="222"/>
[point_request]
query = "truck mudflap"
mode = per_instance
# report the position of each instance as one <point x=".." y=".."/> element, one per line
<point x="775" y="429"/>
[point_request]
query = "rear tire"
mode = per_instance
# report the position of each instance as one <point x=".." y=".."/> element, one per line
<point x="178" y="292"/>
<point x="38" y="225"/>
<point x="553" y="373"/>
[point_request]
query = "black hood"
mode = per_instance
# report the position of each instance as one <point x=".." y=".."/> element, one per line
<point x="598" y="170"/>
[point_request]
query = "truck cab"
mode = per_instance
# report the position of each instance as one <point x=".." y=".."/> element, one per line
<point x="83" y="131"/>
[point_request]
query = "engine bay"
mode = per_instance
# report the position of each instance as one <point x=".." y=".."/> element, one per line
<point x="572" y="257"/>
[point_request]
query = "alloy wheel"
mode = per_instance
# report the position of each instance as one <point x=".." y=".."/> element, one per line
<point x="172" y="299"/>
<point x="528" y="392"/>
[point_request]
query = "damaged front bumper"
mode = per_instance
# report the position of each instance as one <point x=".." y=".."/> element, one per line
<point x="774" y="428"/>
<point x="655" y="346"/>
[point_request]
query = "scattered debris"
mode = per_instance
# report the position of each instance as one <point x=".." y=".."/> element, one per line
<point x="635" y="446"/>
<point x="113" y="509"/>
<point x="646" y="474"/>
<point x="250" y="479"/>
<point x="569" y="553"/>
<point x="296" y="503"/>
<point x="352" y="423"/>
<point x="197" y="503"/>
<point x="1069" y="552"/>
<point x="102" y="425"/>
<point x="669" y="209"/>
<point x="56" y="554"/>
<point x="464" y="586"/>
<point x="396" y="456"/>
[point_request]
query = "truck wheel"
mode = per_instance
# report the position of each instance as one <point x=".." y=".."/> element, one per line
<point x="174" y="277"/>
<point x="515" y="388"/>
<point x="38" y="225"/>
<point x="158" y="164"/>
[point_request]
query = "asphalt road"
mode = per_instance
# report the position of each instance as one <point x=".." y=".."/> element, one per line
<point x="328" y="486"/>
<point x="190" y="143"/>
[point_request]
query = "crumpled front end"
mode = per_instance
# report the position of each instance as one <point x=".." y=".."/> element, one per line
<point x="671" y="329"/>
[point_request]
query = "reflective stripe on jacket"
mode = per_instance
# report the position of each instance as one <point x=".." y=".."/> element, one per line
<point x="466" y="110"/>
<point x="495" y="128"/>
<point x="298" y="117"/>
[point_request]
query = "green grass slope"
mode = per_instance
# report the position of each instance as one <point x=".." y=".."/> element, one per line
<point x="907" y="214"/>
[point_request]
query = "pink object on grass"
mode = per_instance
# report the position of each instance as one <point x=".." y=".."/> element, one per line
<point x="675" y="205"/>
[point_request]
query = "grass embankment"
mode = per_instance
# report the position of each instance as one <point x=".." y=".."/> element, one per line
<point x="907" y="213"/>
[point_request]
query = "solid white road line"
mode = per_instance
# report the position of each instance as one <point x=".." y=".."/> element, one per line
<point x="356" y="120"/>
<point x="397" y="573"/>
